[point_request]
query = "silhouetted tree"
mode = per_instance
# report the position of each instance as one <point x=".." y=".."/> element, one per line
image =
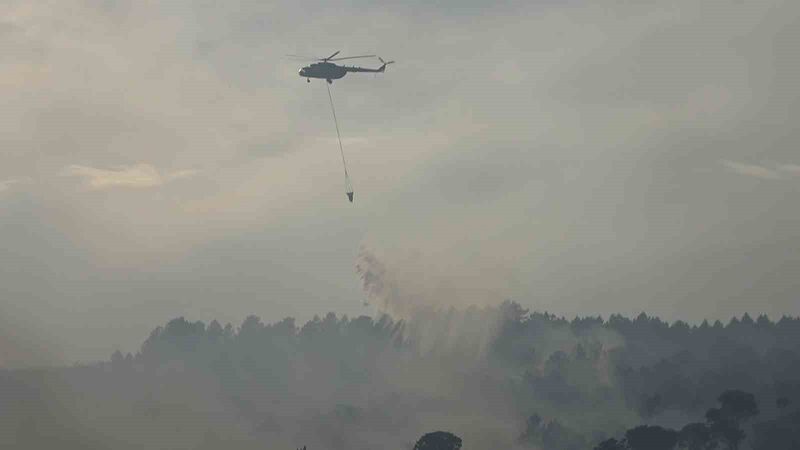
<point x="696" y="436"/>
<point x="726" y="421"/>
<point x="438" y="440"/>
<point x="646" y="437"/>
<point x="215" y="331"/>
<point x="552" y="435"/>
<point x="738" y="405"/>
<point x="611" y="444"/>
<point x="532" y="429"/>
<point x="117" y="360"/>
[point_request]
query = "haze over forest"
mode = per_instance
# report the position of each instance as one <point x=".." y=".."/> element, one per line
<point x="575" y="222"/>
<point x="498" y="377"/>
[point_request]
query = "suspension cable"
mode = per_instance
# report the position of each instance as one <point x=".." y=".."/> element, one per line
<point x="348" y="187"/>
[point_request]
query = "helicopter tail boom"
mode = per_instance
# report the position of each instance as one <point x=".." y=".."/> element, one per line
<point x="380" y="69"/>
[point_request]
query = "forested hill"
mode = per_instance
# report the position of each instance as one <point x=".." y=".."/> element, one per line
<point x="498" y="377"/>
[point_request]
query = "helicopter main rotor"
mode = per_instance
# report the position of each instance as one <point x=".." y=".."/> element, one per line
<point x="331" y="58"/>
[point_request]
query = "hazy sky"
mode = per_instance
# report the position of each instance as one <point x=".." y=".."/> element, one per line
<point x="160" y="159"/>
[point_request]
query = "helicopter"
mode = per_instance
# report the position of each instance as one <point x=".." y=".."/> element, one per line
<point x="325" y="69"/>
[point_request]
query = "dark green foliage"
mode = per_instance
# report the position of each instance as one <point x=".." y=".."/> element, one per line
<point x="646" y="437"/>
<point x="611" y="444"/>
<point x="551" y="435"/>
<point x="723" y="426"/>
<point x="726" y="421"/>
<point x="696" y="436"/>
<point x="438" y="440"/>
<point x="660" y="366"/>
<point x="738" y="405"/>
<point x="586" y="378"/>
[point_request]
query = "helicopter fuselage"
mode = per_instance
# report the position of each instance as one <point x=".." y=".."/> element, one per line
<point x="329" y="71"/>
<point x="323" y="70"/>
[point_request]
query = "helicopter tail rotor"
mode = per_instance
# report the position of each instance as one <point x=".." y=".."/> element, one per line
<point x="385" y="63"/>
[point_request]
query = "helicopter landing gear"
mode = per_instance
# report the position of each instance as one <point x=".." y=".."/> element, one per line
<point x="329" y="81"/>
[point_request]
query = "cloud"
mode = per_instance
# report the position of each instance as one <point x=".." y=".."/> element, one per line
<point x="791" y="169"/>
<point x="751" y="170"/>
<point x="137" y="176"/>
<point x="778" y="172"/>
<point x="7" y="184"/>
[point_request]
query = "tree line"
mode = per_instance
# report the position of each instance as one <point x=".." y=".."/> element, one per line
<point x="497" y="376"/>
